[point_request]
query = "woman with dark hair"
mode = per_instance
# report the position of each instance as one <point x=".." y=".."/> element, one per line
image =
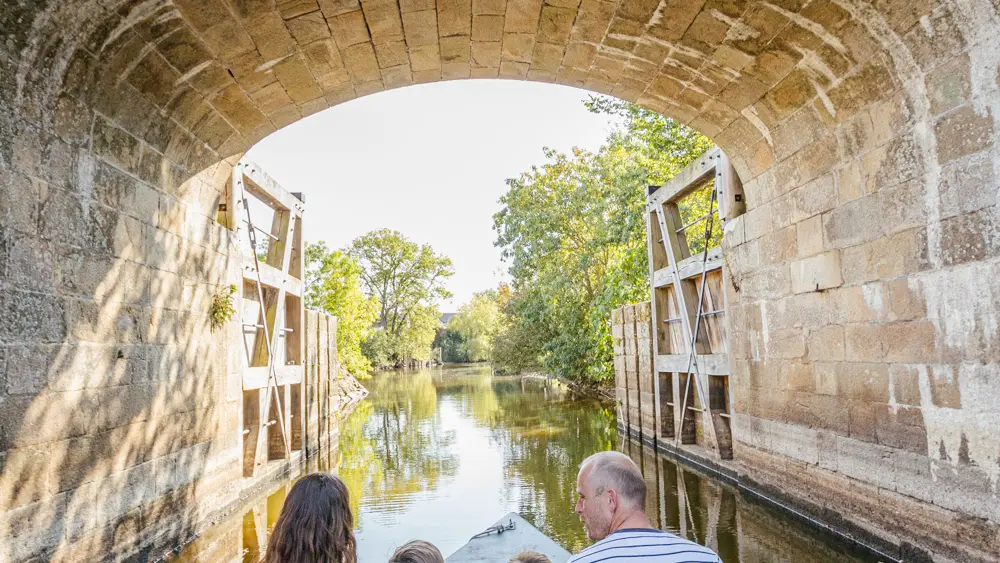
<point x="315" y="524"/>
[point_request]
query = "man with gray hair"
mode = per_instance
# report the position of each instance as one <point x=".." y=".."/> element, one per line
<point x="612" y="506"/>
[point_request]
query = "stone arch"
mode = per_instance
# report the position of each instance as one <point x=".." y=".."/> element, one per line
<point x="864" y="133"/>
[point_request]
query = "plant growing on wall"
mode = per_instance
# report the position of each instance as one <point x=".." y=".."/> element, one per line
<point x="222" y="309"/>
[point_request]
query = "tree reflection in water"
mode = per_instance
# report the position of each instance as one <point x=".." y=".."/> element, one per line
<point x="441" y="454"/>
<point x="393" y="447"/>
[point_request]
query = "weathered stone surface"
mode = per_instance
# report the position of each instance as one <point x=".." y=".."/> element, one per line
<point x="817" y="273"/>
<point x="421" y="28"/>
<point x="961" y="132"/>
<point x="860" y="130"/>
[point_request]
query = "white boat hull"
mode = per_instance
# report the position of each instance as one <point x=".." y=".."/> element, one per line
<point x="499" y="548"/>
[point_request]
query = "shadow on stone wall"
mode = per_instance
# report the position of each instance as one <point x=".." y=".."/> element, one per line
<point x="114" y="428"/>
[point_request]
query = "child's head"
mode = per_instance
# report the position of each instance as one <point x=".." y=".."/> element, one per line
<point x="315" y="524"/>
<point x="417" y="551"/>
<point x="529" y="557"/>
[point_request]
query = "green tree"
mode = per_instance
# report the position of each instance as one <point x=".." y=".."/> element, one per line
<point x="408" y="280"/>
<point x="519" y="342"/>
<point x="476" y="323"/>
<point x="450" y="344"/>
<point x="573" y="233"/>
<point x="333" y="285"/>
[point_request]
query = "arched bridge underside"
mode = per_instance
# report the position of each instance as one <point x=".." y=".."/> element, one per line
<point x="864" y="306"/>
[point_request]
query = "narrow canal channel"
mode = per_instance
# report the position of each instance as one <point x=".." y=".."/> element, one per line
<point x="440" y="454"/>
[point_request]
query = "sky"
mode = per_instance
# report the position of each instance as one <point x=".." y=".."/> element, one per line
<point x="429" y="161"/>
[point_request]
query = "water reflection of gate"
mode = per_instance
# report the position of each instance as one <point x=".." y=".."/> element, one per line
<point x="727" y="519"/>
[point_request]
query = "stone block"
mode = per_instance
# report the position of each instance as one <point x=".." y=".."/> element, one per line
<point x="914" y="476"/>
<point x="819" y="411"/>
<point x="785" y="344"/>
<point x="787" y="96"/>
<point x="427" y="59"/>
<point x="19" y="201"/>
<point x="298" y="81"/>
<point x="904" y="303"/>
<point x="961" y="189"/>
<point x="555" y="25"/>
<point x="890" y="164"/>
<point x="802" y="129"/>
<point x="871" y="82"/>
<point x="862" y="382"/>
<point x="522" y="16"/>
<point x="517" y="47"/>
<point x="853" y="223"/>
<point x="866" y="343"/>
<point x="203" y="14"/>
<point x="964" y="488"/>
<point x="454" y="17"/>
<point x="757" y="222"/>
<point x="901" y="428"/>
<point x="238" y="110"/>
<point x="31" y="317"/>
<point x="383" y="18"/>
<point x="814" y="198"/>
<point x="869" y="463"/>
<point x="27" y="368"/>
<point x="421" y="28"/>
<point x="961" y="132"/>
<point x="34" y="528"/>
<point x="89" y="321"/>
<point x="487" y="27"/>
<point x="489" y="7"/>
<point x="323" y="58"/>
<point x="910" y="342"/>
<point x="816" y="273"/>
<point x="861" y="423"/>
<point x="901" y="254"/>
<point x="826" y="377"/>
<point x="809" y="236"/>
<point x="794" y="441"/>
<point x="966" y="238"/>
<point x="153" y="77"/>
<point x="826" y="344"/>
<point x="486" y="54"/>
<point x="115" y="145"/>
<point x="948" y="85"/>
<point x="361" y="62"/>
<point x="391" y="54"/>
<point x="308" y="28"/>
<point x="270" y="35"/>
<point x="397" y="77"/>
<point x="546" y="57"/>
<point x="938" y="38"/>
<point x="333" y="8"/>
<point x="455" y="71"/>
<point x="271" y="98"/>
<point x="349" y="29"/>
<point x="455" y="49"/>
<point x="898" y="209"/>
<point x="798" y="376"/>
<point x="771" y="283"/>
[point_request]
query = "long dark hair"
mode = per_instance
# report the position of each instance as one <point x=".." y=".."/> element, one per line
<point x="315" y="525"/>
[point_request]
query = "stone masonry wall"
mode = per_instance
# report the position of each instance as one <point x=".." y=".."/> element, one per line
<point x="863" y="306"/>
<point x="633" y="359"/>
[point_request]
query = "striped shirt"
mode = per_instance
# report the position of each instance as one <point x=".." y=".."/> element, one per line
<point x="636" y="544"/>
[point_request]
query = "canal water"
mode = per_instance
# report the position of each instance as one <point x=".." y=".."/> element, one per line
<point x="440" y="454"/>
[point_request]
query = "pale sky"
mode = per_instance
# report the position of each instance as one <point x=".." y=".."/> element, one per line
<point x="428" y="161"/>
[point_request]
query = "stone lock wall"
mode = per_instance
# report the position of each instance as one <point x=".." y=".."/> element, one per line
<point x="634" y="389"/>
<point x="863" y="308"/>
